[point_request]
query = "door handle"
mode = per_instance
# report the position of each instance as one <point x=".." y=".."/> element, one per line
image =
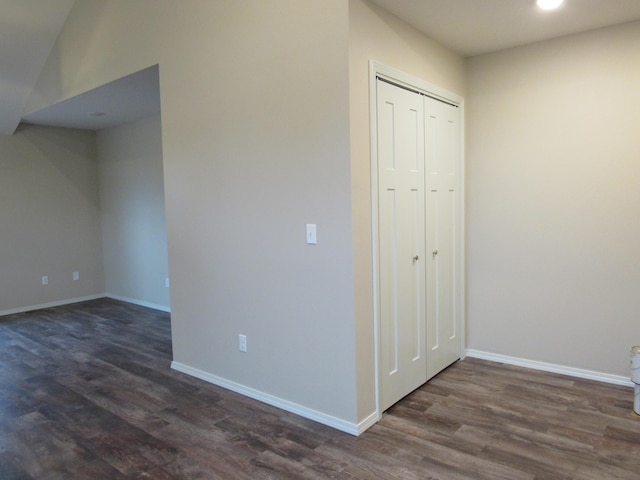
<point x="415" y="259"/>
<point x="434" y="253"/>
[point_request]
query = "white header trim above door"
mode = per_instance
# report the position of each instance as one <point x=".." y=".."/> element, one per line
<point x="409" y="81"/>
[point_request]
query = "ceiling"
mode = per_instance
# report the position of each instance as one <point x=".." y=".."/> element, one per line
<point x="127" y="99"/>
<point x="29" y="28"/>
<point x="474" y="27"/>
<point x="28" y="31"/>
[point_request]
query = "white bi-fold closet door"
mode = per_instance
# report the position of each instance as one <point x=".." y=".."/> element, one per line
<point x="419" y="213"/>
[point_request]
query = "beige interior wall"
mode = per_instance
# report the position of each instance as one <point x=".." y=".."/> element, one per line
<point x="553" y="200"/>
<point x="266" y="128"/>
<point x="134" y="232"/>
<point x="50" y="217"/>
<point x="255" y="129"/>
<point x="377" y="35"/>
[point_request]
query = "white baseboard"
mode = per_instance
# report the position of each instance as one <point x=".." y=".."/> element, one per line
<point x="58" y="303"/>
<point x="142" y="303"/>
<point x="68" y="301"/>
<point x="551" y="367"/>
<point x="337" y="423"/>
<point x="370" y="421"/>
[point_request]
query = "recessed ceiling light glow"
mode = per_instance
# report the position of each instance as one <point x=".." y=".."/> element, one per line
<point x="549" y="4"/>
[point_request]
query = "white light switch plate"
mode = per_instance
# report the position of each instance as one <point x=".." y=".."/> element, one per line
<point x="312" y="238"/>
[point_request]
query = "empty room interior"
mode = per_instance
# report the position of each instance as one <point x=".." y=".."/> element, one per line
<point x="228" y="170"/>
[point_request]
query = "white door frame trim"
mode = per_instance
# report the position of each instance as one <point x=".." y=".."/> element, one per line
<point x="400" y="78"/>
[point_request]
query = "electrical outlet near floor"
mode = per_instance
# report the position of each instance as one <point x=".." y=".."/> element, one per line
<point x="76" y="276"/>
<point x="242" y="343"/>
<point x="45" y="280"/>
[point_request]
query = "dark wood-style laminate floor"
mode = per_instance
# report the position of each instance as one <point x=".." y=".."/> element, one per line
<point x="86" y="392"/>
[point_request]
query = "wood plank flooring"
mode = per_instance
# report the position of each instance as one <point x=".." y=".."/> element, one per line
<point x="86" y="392"/>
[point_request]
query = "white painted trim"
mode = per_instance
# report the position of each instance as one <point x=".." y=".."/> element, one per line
<point x="337" y="423"/>
<point x="404" y="79"/>
<point x="551" y="367"/>
<point x="57" y="303"/>
<point x="462" y="267"/>
<point x="373" y="139"/>
<point x="368" y="422"/>
<point x="142" y="303"/>
<point x="69" y="301"/>
<point x="377" y="69"/>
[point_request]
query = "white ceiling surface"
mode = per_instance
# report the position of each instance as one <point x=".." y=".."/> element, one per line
<point x="28" y="31"/>
<point x="29" y="28"/>
<point x="473" y="27"/>
<point x="127" y="99"/>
